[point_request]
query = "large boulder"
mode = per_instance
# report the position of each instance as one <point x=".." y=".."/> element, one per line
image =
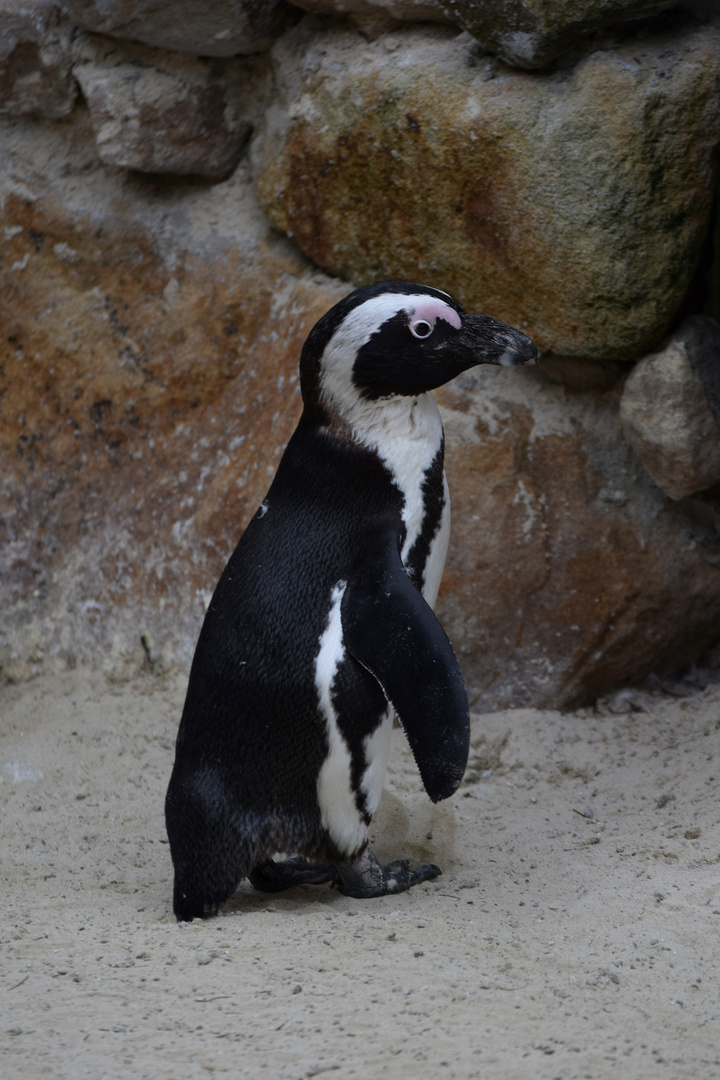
<point x="212" y="28"/>
<point x="148" y="382"/>
<point x="524" y="33"/>
<point x="573" y="204"/>
<point x="670" y="410"/>
<point x="162" y="112"/>
<point x="569" y="570"/>
<point x="532" y="33"/>
<point x="35" y="60"/>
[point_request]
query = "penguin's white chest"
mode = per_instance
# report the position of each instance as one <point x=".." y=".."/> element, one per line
<point x="408" y="436"/>
<point x="408" y="440"/>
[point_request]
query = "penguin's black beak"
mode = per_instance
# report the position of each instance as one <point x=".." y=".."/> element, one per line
<point x="489" y="341"/>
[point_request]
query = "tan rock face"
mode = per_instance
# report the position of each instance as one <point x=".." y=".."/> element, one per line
<point x="532" y="33"/>
<point x="147" y="385"/>
<point x="35" y="60"/>
<point x="569" y="572"/>
<point x="670" y="410"/>
<point x="210" y="28"/>
<point x="151" y="337"/>
<point x="161" y="112"/>
<point x="572" y="204"/>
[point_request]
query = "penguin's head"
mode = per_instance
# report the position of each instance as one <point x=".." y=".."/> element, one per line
<point x="395" y="339"/>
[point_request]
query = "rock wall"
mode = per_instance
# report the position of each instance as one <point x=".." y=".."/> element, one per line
<point x="571" y="202"/>
<point x="182" y="197"/>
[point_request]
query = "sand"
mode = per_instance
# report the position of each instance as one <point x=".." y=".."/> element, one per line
<point x="574" y="932"/>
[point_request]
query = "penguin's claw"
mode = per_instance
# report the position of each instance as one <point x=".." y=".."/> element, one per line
<point x="364" y="877"/>
<point x="273" y="877"/>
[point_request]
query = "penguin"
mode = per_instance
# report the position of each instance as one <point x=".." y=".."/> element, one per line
<point x="321" y="628"/>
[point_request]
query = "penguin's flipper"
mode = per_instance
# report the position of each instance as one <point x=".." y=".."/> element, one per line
<point x="391" y="630"/>
<point x="270" y="876"/>
<point x="365" y="877"/>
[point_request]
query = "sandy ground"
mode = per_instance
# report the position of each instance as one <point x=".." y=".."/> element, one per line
<point x="574" y="932"/>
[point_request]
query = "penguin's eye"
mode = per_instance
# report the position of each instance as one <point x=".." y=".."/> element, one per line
<point x="421" y="328"/>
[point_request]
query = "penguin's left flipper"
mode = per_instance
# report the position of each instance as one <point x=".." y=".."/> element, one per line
<point x="270" y="876"/>
<point x="365" y="877"/>
<point x="391" y="630"/>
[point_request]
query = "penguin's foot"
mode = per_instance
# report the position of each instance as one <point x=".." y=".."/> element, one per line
<point x="365" y="877"/>
<point x="272" y="876"/>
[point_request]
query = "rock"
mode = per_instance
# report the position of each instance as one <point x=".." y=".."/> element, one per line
<point x="35" y="60"/>
<point x="569" y="573"/>
<point x="148" y="382"/>
<point x="161" y="112"/>
<point x="400" y="10"/>
<point x="573" y="204"/>
<point x="583" y="375"/>
<point x="213" y="28"/>
<point x="670" y="410"/>
<point x="532" y="33"/>
<point x="152" y="328"/>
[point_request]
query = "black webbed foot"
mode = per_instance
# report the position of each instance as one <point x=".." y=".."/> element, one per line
<point x="273" y="877"/>
<point x="365" y="877"/>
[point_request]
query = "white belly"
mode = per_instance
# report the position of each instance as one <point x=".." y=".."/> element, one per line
<point x="406" y="434"/>
<point x="338" y="808"/>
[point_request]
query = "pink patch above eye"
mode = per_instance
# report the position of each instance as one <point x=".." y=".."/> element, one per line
<point x="433" y="309"/>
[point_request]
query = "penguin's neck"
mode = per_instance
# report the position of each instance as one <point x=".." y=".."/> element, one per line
<point x="407" y="435"/>
<point x="391" y="426"/>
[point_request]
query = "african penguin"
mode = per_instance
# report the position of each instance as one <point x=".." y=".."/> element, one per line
<point x="321" y="627"/>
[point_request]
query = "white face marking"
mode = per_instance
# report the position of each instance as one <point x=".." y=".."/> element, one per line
<point x="338" y="389"/>
<point x="338" y="809"/>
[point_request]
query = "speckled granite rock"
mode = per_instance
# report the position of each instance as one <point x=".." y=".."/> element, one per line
<point x="401" y="10"/>
<point x="569" y="571"/>
<point x="670" y="410"/>
<point x="213" y="28"/>
<point x="162" y="112"/>
<point x="532" y="33"/>
<point x="572" y="204"/>
<point x="148" y="384"/>
<point x="35" y="60"/>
